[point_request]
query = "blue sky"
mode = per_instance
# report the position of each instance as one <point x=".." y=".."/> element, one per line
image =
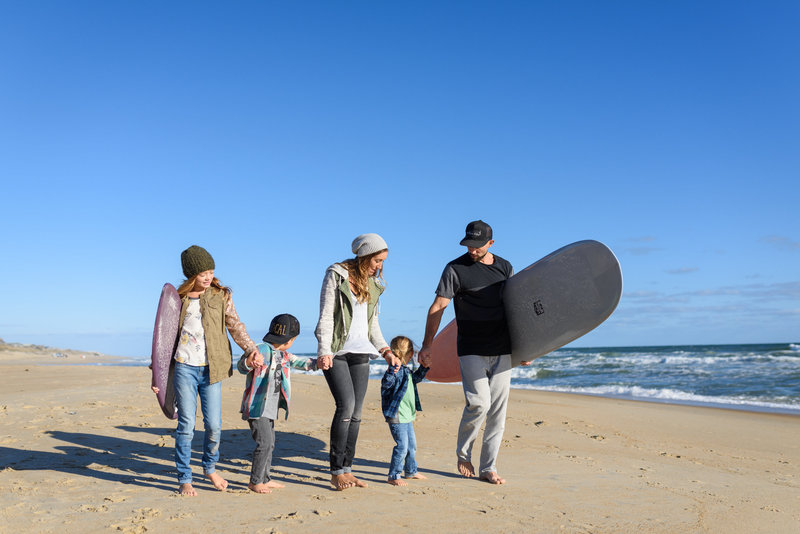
<point x="272" y="133"/>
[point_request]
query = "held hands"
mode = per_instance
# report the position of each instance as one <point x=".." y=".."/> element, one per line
<point x="424" y="356"/>
<point x="325" y="362"/>
<point x="254" y="359"/>
<point x="390" y="358"/>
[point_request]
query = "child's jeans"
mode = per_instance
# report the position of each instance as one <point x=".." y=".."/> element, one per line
<point x="189" y="381"/>
<point x="404" y="453"/>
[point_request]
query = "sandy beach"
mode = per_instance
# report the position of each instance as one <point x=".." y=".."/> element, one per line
<point x="85" y="448"/>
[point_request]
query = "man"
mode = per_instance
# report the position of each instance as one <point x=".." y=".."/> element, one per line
<point x="476" y="280"/>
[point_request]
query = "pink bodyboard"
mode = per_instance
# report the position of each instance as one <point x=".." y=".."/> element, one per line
<point x="444" y="354"/>
<point x="165" y="337"/>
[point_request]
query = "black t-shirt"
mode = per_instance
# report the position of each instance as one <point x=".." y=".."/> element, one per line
<point x="477" y="293"/>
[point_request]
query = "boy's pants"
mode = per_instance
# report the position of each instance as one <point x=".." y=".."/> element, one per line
<point x="263" y="432"/>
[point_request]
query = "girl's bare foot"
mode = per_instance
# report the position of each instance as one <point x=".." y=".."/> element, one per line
<point x="341" y="482"/>
<point x="419" y="476"/>
<point x="466" y="469"/>
<point x="492" y="478"/>
<point x="259" y="488"/>
<point x="219" y="482"/>
<point x="274" y="485"/>
<point x="397" y="482"/>
<point x="187" y="490"/>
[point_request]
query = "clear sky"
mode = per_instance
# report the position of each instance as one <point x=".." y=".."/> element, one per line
<point x="273" y="133"/>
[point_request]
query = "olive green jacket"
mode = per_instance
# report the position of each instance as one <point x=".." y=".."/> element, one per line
<point x="218" y="314"/>
<point x="336" y="312"/>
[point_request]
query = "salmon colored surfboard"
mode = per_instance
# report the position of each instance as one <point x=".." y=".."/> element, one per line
<point x="445" y="367"/>
<point x="552" y="302"/>
<point x="165" y="336"/>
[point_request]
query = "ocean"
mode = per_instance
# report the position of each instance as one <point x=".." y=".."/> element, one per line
<point x="762" y="377"/>
<point x="751" y="377"/>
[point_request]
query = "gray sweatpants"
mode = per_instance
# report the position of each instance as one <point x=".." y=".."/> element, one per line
<point x="486" y="381"/>
<point x="263" y="432"/>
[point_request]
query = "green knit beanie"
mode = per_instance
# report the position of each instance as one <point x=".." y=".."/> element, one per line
<point x="195" y="260"/>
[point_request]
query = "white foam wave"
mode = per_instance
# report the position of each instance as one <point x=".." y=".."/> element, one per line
<point x="669" y="395"/>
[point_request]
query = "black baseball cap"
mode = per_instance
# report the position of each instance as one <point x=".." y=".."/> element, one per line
<point x="478" y="234"/>
<point x="282" y="328"/>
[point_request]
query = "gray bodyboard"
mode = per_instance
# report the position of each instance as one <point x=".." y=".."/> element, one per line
<point x="560" y="298"/>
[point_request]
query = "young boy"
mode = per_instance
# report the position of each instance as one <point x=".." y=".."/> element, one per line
<point x="267" y="388"/>
<point x="400" y="403"/>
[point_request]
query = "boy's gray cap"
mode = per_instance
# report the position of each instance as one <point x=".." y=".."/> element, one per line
<point x="367" y="244"/>
<point x="478" y="234"/>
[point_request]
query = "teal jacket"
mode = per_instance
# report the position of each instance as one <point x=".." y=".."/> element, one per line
<point x="257" y="383"/>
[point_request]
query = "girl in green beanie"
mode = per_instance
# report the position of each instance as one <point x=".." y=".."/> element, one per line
<point x="202" y="360"/>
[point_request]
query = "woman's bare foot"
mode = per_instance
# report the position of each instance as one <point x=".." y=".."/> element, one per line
<point x="397" y="482"/>
<point x="492" y="478"/>
<point x="466" y="469"/>
<point x="259" y="488"/>
<point x="219" y="482"/>
<point x="341" y="482"/>
<point x="419" y="476"/>
<point x="274" y="485"/>
<point x="187" y="490"/>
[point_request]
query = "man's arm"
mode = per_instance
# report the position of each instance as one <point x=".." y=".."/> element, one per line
<point x="431" y="327"/>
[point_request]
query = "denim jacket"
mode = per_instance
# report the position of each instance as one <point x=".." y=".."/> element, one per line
<point x="393" y="387"/>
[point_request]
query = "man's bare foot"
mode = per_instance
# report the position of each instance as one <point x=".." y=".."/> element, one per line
<point x="397" y="482"/>
<point x="419" y="476"/>
<point x="219" y="482"/>
<point x="187" y="490"/>
<point x="274" y="485"/>
<point x="492" y="478"/>
<point x="341" y="482"/>
<point x="259" y="488"/>
<point x="466" y="469"/>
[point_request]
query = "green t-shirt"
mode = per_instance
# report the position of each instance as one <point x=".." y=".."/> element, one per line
<point x="407" y="411"/>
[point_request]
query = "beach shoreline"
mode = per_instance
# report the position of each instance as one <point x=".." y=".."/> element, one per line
<point x="86" y="447"/>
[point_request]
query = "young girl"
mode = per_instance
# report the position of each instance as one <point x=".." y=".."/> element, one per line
<point x="400" y="403"/>
<point x="266" y="390"/>
<point x="202" y="359"/>
<point x="349" y="336"/>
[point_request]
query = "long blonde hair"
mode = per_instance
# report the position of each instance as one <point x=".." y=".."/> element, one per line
<point x="403" y="348"/>
<point x="358" y="270"/>
<point x="188" y="284"/>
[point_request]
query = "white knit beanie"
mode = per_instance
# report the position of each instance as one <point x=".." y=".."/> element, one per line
<point x="367" y="244"/>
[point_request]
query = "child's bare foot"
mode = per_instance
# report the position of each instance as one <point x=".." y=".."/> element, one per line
<point x="259" y="488"/>
<point x="466" y="469"/>
<point x="187" y="490"/>
<point x="397" y="482"/>
<point x="219" y="482"/>
<point x="341" y="482"/>
<point x="492" y="478"/>
<point x="356" y="482"/>
<point x="419" y="476"/>
<point x="274" y="485"/>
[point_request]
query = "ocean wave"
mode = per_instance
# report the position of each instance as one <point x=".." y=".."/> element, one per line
<point x="674" y="396"/>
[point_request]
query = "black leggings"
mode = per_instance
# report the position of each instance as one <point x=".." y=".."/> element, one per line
<point x="347" y="380"/>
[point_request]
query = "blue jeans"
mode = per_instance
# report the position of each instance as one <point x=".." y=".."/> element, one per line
<point x="189" y="381"/>
<point x="404" y="453"/>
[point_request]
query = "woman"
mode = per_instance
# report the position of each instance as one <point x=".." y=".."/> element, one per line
<point x="349" y="336"/>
